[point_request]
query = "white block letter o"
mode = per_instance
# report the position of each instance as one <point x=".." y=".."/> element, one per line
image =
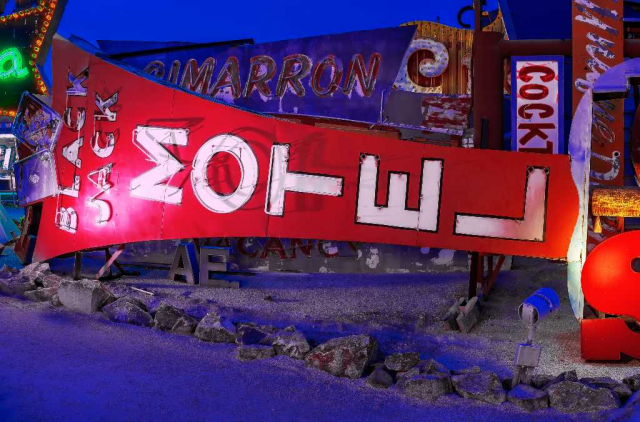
<point x="248" y="163"/>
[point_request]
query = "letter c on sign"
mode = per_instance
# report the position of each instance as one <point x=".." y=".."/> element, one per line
<point x="248" y="163"/>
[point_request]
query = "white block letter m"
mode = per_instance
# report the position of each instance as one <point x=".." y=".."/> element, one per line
<point x="149" y="185"/>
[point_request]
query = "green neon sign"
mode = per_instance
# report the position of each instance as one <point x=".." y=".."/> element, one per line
<point x="11" y="56"/>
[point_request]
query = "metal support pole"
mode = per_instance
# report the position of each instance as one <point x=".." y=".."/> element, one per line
<point x="77" y="265"/>
<point x="474" y="273"/>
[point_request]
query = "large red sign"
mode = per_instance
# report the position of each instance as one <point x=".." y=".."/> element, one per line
<point x="139" y="160"/>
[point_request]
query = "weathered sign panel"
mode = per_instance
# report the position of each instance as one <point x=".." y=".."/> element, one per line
<point x="36" y="124"/>
<point x="598" y="37"/>
<point x="343" y="75"/>
<point x="36" y="178"/>
<point x="170" y="165"/>
<point x="537" y="104"/>
<point x="433" y="112"/>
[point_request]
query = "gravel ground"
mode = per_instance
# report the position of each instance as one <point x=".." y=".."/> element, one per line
<point x="401" y="310"/>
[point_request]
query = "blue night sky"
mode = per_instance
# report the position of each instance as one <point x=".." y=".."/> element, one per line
<point x="214" y="20"/>
<point x="264" y="21"/>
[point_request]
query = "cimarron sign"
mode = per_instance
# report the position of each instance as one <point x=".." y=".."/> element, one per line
<point x="342" y="75"/>
<point x="169" y="165"/>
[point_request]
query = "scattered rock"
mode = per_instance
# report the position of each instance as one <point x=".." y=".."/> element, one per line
<point x="254" y="351"/>
<point x="185" y="325"/>
<point x="465" y="371"/>
<point x="16" y="286"/>
<point x="540" y="381"/>
<point x="402" y="361"/>
<point x="571" y="396"/>
<point x="427" y="386"/>
<point x="483" y="385"/>
<point x="506" y="383"/>
<point x="249" y="333"/>
<point x="49" y="280"/>
<point x="380" y="378"/>
<point x="82" y="296"/>
<point x="633" y="382"/>
<point x="128" y="310"/>
<point x="55" y="301"/>
<point x="528" y="398"/>
<point x="166" y="317"/>
<point x="34" y="271"/>
<point x="622" y="390"/>
<point x="268" y="298"/>
<point x="291" y="343"/>
<point x="423" y="320"/>
<point x="448" y="318"/>
<point x="432" y="366"/>
<point x="8" y="272"/>
<point x="402" y="377"/>
<point x="469" y="315"/>
<point x="344" y="356"/>
<point x="216" y="329"/>
<point x="41" y="295"/>
<point x="628" y="412"/>
<point x="290" y="329"/>
<point x="565" y="376"/>
<point x="111" y="298"/>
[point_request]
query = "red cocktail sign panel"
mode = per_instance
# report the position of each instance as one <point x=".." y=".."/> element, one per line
<point x="138" y="160"/>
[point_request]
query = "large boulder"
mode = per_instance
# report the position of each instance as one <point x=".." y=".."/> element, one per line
<point x="380" y="378"/>
<point x="291" y="343"/>
<point x="427" y="386"/>
<point x="216" y="329"/>
<point x="82" y="296"/>
<point x="129" y="311"/>
<point x="528" y="398"/>
<point x="254" y="352"/>
<point x="344" y="356"/>
<point x="401" y="362"/>
<point x="622" y="390"/>
<point x="572" y="396"/>
<point x="483" y="385"/>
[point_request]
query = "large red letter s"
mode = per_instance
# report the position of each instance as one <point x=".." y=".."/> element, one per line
<point x="611" y="285"/>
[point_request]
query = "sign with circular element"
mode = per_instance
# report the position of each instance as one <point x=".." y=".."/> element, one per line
<point x="425" y="62"/>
